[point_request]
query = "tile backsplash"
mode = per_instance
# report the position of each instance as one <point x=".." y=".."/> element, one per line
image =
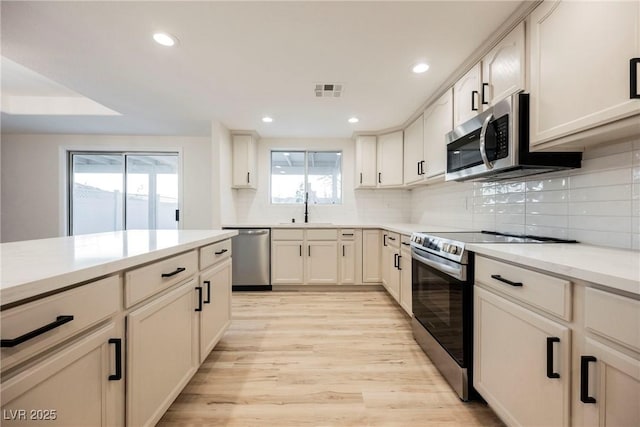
<point x="597" y="204"/>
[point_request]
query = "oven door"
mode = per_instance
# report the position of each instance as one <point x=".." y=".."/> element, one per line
<point x="442" y="302"/>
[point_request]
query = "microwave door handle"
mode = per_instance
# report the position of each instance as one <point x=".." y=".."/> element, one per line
<point x="483" y="148"/>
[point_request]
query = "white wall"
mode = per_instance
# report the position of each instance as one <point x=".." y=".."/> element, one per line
<point x="224" y="198"/>
<point x="33" y="179"/>
<point x="597" y="204"/>
<point x="368" y="206"/>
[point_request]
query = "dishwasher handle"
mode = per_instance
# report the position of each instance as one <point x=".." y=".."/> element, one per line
<point x="253" y="232"/>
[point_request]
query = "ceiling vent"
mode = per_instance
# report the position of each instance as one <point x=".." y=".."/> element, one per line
<point x="328" y="90"/>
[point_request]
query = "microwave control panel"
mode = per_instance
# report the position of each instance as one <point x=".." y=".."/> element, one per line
<point x="501" y="126"/>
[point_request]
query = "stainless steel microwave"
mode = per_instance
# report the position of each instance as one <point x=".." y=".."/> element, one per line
<point x="494" y="146"/>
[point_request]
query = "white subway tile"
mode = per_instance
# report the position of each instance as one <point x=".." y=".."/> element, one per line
<point x="559" y="183"/>
<point x="547" y="209"/>
<point x="511" y="198"/>
<point x="602" y="238"/>
<point x="636" y="157"/>
<point x="511" y="228"/>
<point x="601" y="223"/>
<point x="510" y="219"/>
<point x="603" y="208"/>
<point x="547" y="196"/>
<point x="610" y="177"/>
<point x="559" y="233"/>
<point x="559" y="221"/>
<point x="510" y="208"/>
<point x="611" y="192"/>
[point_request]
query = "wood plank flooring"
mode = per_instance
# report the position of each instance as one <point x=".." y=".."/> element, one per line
<point x="320" y="359"/>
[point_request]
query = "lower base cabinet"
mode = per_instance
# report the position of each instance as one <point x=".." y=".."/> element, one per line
<point x="76" y="386"/>
<point x="390" y="271"/>
<point x="322" y="262"/>
<point x="347" y="257"/>
<point x="215" y="315"/>
<point x="162" y="353"/>
<point x="521" y="362"/>
<point x="287" y="262"/>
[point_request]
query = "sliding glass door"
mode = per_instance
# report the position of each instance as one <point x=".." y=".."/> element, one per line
<point x="120" y="191"/>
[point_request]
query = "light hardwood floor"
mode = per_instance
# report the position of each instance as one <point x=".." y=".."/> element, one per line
<point x="320" y="359"/>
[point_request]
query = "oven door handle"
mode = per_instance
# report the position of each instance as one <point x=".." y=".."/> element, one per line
<point x="456" y="272"/>
<point x="483" y="137"/>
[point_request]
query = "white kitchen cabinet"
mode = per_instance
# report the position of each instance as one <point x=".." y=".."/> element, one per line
<point x="75" y="386"/>
<point x="245" y="161"/>
<point x="503" y="68"/>
<point x="162" y="353"/>
<point x="466" y="96"/>
<point x="390" y="159"/>
<point x="347" y="262"/>
<point x="521" y="362"/>
<point x="405" y="275"/>
<point x="371" y="256"/>
<point x="580" y="73"/>
<point x="215" y="306"/>
<point x="287" y="262"/>
<point x="414" y="151"/>
<point x="322" y="262"/>
<point x="438" y="121"/>
<point x="366" y="163"/>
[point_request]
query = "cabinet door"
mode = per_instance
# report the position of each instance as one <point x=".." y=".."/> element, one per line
<point x="371" y="256"/>
<point x="162" y="353"/>
<point x="466" y="96"/>
<point x="390" y="273"/>
<point x="366" y="147"/>
<point x="579" y="67"/>
<point x="438" y="121"/>
<point x="348" y="262"/>
<point x="405" y="281"/>
<point x="69" y="388"/>
<point x="215" y="316"/>
<point x="414" y="151"/>
<point x="390" y="159"/>
<point x="510" y="362"/>
<point x="244" y="162"/>
<point x="613" y="382"/>
<point x="322" y="262"/>
<point x="503" y="68"/>
<point x="287" y="262"/>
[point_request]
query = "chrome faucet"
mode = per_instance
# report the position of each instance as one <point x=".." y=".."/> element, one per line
<point x="306" y="207"/>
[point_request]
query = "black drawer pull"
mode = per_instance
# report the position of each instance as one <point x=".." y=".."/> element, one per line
<point x="347" y="234"/>
<point x="399" y="268"/>
<point x="503" y="280"/>
<point x="473" y="100"/>
<point x="633" y="78"/>
<point x="395" y="260"/>
<point x="584" y="379"/>
<point x="379" y="177"/>
<point x="118" y="355"/>
<point x="343" y="255"/>
<point x="173" y="273"/>
<point x="208" y="299"/>
<point x="484" y="101"/>
<point x="60" y="320"/>
<point x="199" y="289"/>
<point x="392" y="238"/>
<point x="221" y="252"/>
<point x="360" y="177"/>
<point x="550" y="373"/>
<point x="384" y="240"/>
<point x="406" y="244"/>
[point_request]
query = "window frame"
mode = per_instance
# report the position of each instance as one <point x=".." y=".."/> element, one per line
<point x="124" y="153"/>
<point x="306" y="174"/>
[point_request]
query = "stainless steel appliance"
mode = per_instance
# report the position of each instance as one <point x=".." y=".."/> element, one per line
<point x="251" y="250"/>
<point x="442" y="293"/>
<point x="494" y="145"/>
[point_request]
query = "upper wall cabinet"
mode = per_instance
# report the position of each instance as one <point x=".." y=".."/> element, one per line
<point x="414" y="152"/>
<point x="466" y="96"/>
<point x="580" y="74"/>
<point x="366" y="162"/>
<point x="438" y="121"/>
<point x="245" y="161"/>
<point x="503" y="68"/>
<point x="390" y="160"/>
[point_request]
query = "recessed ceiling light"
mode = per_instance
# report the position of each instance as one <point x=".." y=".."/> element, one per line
<point x="267" y="119"/>
<point x="354" y="120"/>
<point x="278" y="166"/>
<point x="420" y="68"/>
<point x="164" y="39"/>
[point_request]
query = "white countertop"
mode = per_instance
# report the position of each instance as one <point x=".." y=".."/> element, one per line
<point x="33" y="267"/>
<point x="617" y="269"/>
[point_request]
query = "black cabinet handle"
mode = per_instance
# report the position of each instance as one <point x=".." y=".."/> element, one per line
<point x="398" y="267"/>
<point x="633" y="78"/>
<point x="584" y="379"/>
<point x="347" y="234"/>
<point x="300" y="250"/>
<point x="177" y="214"/>
<point x="406" y="244"/>
<point x="422" y="162"/>
<point x="60" y="320"/>
<point x="379" y="177"/>
<point x="309" y="250"/>
<point x="473" y="100"/>
<point x="248" y="177"/>
<point x="418" y="168"/>
<point x="395" y="260"/>
<point x="199" y="289"/>
<point x="173" y="273"/>
<point x="343" y="255"/>
<point x="221" y="252"/>
<point x="118" y="357"/>
<point x="392" y="238"/>
<point x="384" y="240"/>
<point x="484" y="101"/>
<point x="550" y="373"/>
<point x="360" y="177"/>
<point x="208" y="299"/>
<point x="503" y="280"/>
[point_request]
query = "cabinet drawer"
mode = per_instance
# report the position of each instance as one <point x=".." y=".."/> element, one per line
<point x="614" y="317"/>
<point x="542" y="291"/>
<point x="405" y="242"/>
<point x="347" y="234"/>
<point x="88" y="304"/>
<point x="211" y="254"/>
<point x="391" y="239"/>
<point x="143" y="282"/>
<point x="322" y="234"/>
<point x="287" y="234"/>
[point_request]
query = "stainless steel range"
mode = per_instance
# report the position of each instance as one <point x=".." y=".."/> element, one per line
<point x="442" y="293"/>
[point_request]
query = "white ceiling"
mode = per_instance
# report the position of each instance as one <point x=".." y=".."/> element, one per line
<point x="238" y="61"/>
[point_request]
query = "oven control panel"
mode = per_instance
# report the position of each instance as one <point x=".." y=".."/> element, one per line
<point x="439" y="246"/>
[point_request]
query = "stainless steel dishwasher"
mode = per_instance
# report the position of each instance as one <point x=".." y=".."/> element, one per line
<point x="251" y="250"/>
